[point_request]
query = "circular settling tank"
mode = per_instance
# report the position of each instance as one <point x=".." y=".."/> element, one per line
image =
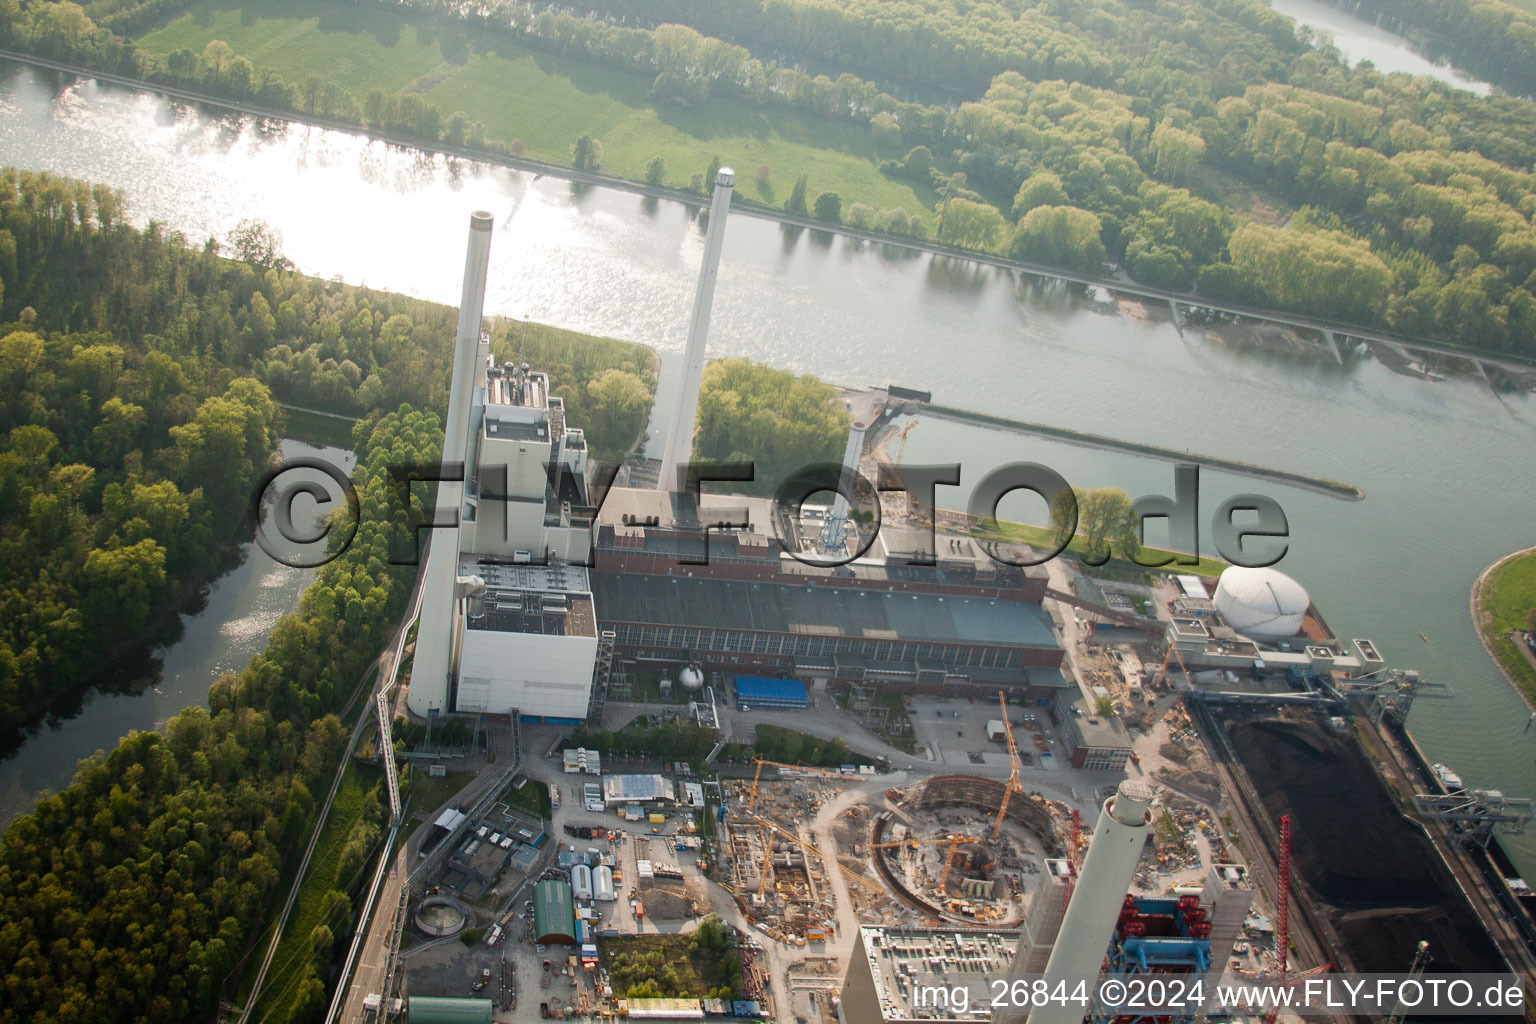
<point x="440" y="916"/>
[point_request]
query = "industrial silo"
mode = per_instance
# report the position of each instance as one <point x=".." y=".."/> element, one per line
<point x="1261" y="603"/>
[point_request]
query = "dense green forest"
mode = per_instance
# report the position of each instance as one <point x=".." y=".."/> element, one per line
<point x="137" y="379"/>
<point x="781" y="422"/>
<point x="131" y="895"/>
<point x="1210" y="146"/>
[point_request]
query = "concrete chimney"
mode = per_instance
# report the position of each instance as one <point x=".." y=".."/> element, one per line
<point x="434" y="636"/>
<point x="851" y="455"/>
<point x="685" y="412"/>
<point x="1106" y="875"/>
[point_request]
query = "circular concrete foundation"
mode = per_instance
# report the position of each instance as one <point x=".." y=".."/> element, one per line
<point x="441" y="916"/>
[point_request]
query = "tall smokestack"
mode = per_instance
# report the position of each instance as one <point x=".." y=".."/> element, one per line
<point x="434" y="635"/>
<point x="685" y="412"/>
<point x="1089" y="923"/>
<point x="835" y="532"/>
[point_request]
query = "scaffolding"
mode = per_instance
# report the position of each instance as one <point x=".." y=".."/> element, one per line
<point x="602" y="674"/>
<point x="1158" y="935"/>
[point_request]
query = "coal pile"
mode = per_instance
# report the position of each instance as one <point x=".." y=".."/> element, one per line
<point x="1369" y="870"/>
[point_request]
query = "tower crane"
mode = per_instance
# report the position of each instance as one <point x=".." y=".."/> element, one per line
<point x="1283" y="920"/>
<point x="808" y="848"/>
<point x="901" y="449"/>
<point x="954" y="841"/>
<point x="1013" y="785"/>
<point x="757" y="775"/>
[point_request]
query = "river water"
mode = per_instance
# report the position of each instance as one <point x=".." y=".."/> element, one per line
<point x="1444" y="465"/>
<point x="238" y="613"/>
<point x="1358" y="39"/>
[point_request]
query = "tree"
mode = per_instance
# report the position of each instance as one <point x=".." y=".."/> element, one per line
<point x="617" y="405"/>
<point x="1104" y="518"/>
<point x="763" y="176"/>
<point x="917" y="163"/>
<point x="1177" y="152"/>
<point x="712" y="173"/>
<point x="655" y="171"/>
<point x="1062" y="236"/>
<point x="795" y="204"/>
<point x="1040" y="189"/>
<point x="829" y="207"/>
<point x="969" y="224"/>
<point x="1104" y="707"/>
<point x="258" y="244"/>
<point x="586" y="153"/>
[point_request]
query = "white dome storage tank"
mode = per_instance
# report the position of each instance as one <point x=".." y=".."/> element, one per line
<point x="691" y="678"/>
<point x="581" y="882"/>
<point x="1261" y="603"/>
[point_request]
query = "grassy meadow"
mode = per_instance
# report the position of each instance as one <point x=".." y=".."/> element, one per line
<point x="543" y="100"/>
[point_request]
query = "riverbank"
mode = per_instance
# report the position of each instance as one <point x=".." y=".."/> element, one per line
<point x="1118" y="283"/>
<point x="1500" y="597"/>
<point x="1321" y="485"/>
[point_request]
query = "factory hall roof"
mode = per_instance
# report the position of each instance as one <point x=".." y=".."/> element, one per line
<point x="636" y="788"/>
<point x="554" y="914"/>
<point x="906" y="961"/>
<point x="792" y="608"/>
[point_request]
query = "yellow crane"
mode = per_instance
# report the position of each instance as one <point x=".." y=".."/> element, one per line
<point x="762" y="882"/>
<point x="758" y="774"/>
<point x="1013" y="784"/>
<point x="954" y="841"/>
<point x="808" y="848"/>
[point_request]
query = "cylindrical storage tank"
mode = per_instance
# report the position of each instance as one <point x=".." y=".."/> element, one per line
<point x="581" y="882"/>
<point x="603" y="883"/>
<point x="1261" y="603"/>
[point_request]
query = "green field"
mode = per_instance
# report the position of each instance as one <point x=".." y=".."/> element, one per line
<point x="544" y="100"/>
<point x="1508" y="594"/>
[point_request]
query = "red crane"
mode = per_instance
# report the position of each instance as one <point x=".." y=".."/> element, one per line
<point x="1074" y="838"/>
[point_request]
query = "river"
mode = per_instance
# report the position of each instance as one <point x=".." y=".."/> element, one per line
<point x="238" y="612"/>
<point x="1443" y="464"/>
<point x="1357" y="39"/>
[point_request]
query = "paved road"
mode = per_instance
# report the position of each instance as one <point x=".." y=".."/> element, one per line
<point x="1118" y="283"/>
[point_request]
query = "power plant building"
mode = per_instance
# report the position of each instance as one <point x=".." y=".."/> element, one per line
<point x="510" y="629"/>
<point x="521" y="596"/>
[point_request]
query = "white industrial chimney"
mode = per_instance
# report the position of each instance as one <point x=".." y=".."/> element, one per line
<point x="434" y="635"/>
<point x="685" y="412"/>
<point x="1089" y="924"/>
<point x="835" y="532"/>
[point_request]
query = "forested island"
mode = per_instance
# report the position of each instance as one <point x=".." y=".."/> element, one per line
<point x="1203" y="146"/>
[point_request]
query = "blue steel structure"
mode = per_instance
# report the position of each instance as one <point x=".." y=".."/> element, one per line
<point x="1158" y="935"/>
